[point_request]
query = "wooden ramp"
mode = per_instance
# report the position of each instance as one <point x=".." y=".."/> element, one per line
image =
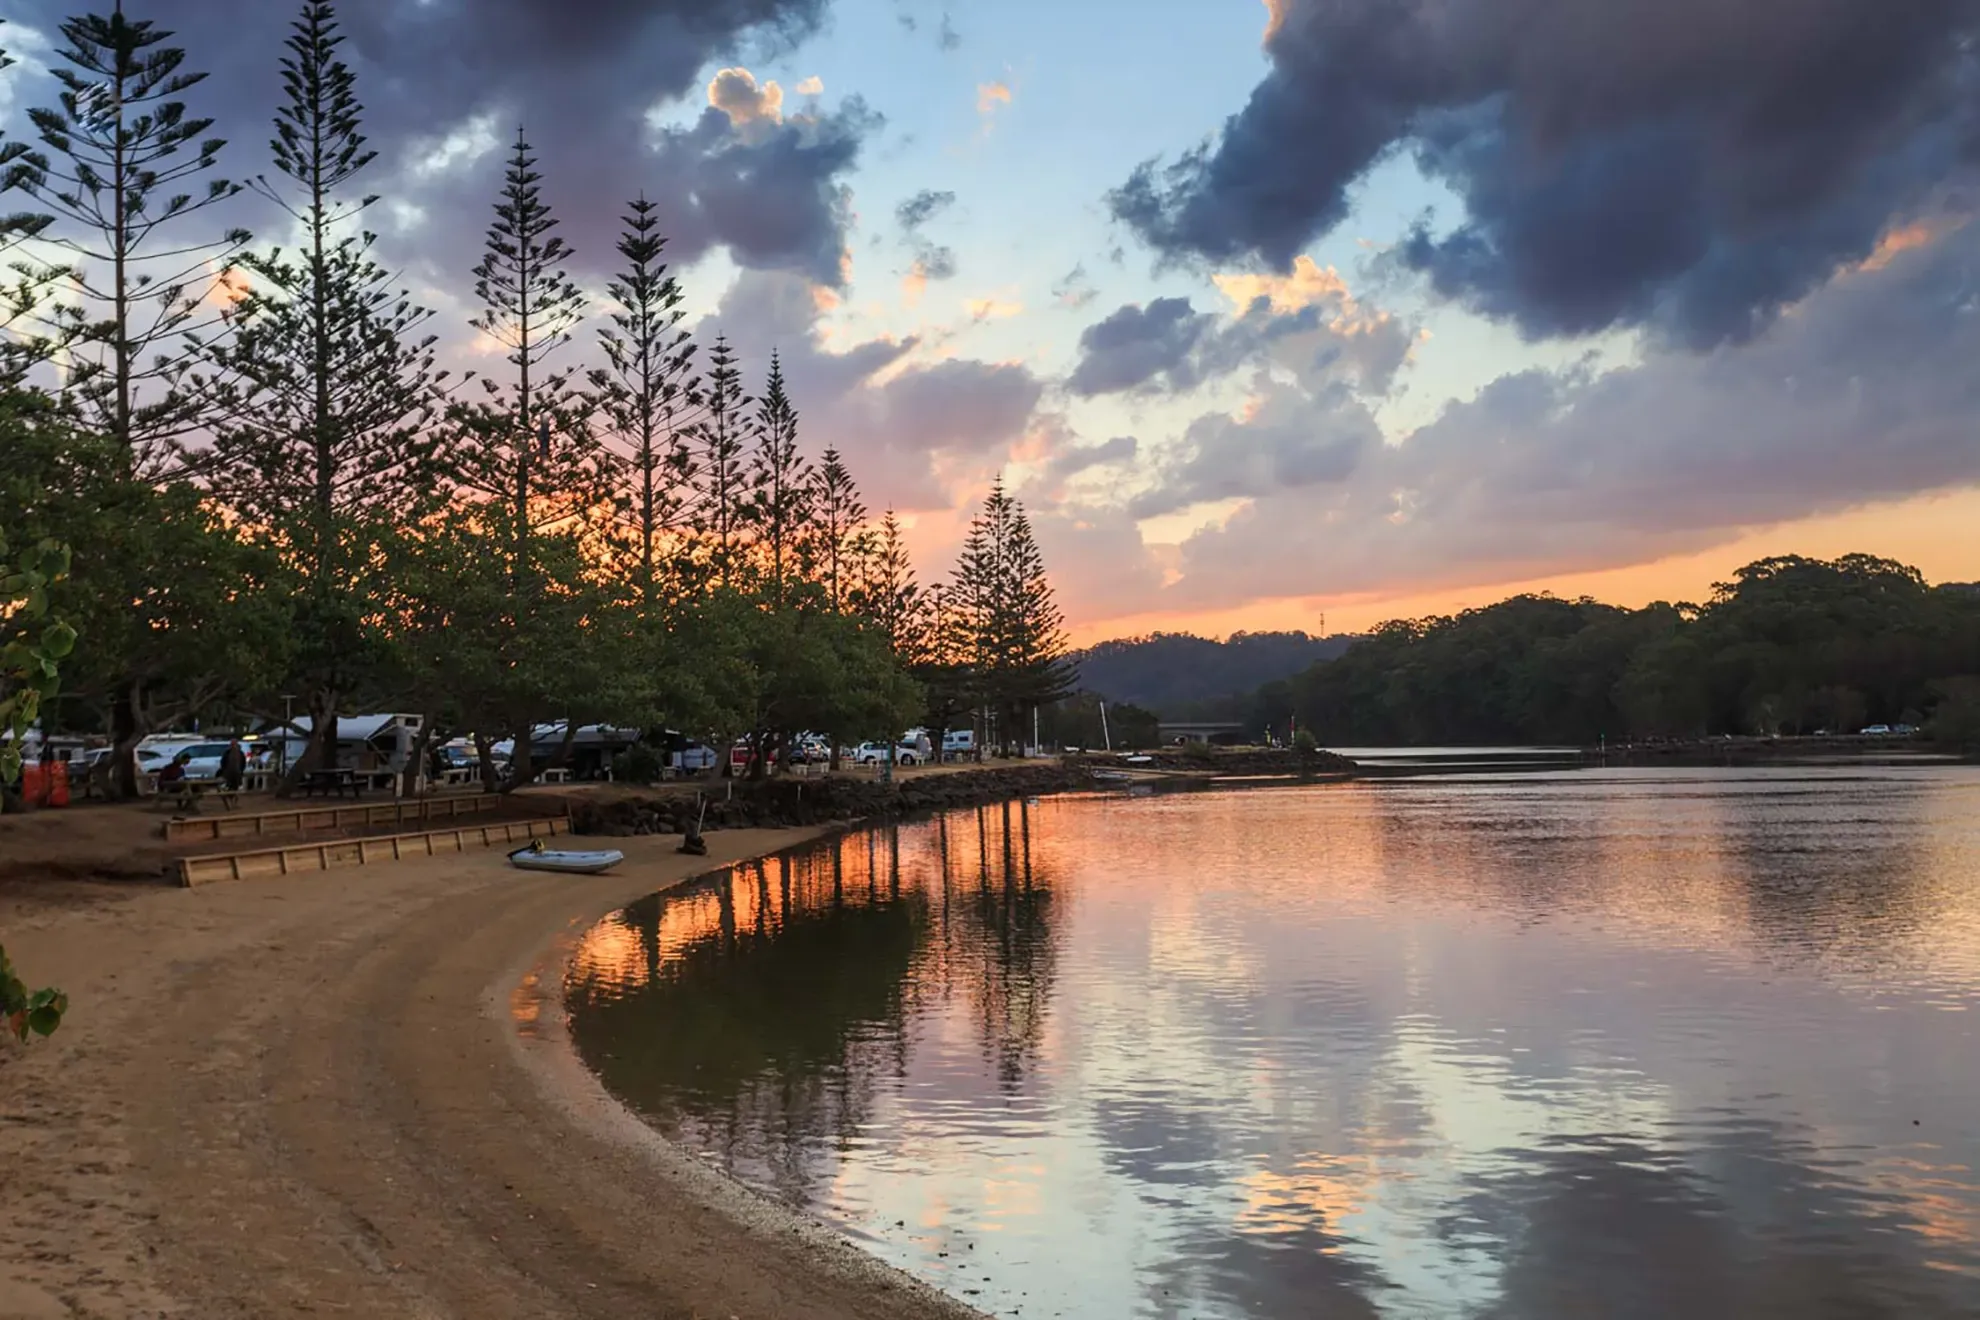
<point x="299" y="820"/>
<point x="334" y="853"/>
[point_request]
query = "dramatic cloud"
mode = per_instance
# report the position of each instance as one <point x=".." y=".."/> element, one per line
<point x="1861" y="393"/>
<point x="1309" y="322"/>
<point x="1688" y="165"/>
<point x="1081" y="458"/>
<point x="902" y="425"/>
<point x="765" y="187"/>
<point x="1136" y="344"/>
<point x="581" y="77"/>
<point x="737" y="94"/>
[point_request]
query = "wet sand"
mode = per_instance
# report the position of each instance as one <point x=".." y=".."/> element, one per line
<point x="349" y="1093"/>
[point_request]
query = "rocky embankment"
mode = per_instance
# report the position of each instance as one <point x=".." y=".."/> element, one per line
<point x="787" y="802"/>
<point x="1232" y="761"/>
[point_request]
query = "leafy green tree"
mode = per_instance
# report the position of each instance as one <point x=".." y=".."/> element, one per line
<point x="812" y="669"/>
<point x="331" y="385"/>
<point x="184" y="614"/>
<point x="32" y="647"/>
<point x="1010" y="632"/>
<point x="117" y="172"/>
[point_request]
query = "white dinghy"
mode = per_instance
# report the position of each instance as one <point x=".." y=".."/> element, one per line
<point x="535" y="857"/>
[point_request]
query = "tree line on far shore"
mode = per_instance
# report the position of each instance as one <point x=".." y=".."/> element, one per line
<point x="1790" y="645"/>
<point x="272" y="488"/>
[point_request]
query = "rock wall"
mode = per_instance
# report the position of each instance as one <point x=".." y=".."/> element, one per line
<point x="787" y="802"/>
<point x="1236" y="761"/>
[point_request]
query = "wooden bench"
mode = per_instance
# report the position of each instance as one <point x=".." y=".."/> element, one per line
<point x="186" y="793"/>
<point x="338" y="782"/>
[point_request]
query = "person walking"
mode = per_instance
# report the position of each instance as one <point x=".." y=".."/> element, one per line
<point x="233" y="766"/>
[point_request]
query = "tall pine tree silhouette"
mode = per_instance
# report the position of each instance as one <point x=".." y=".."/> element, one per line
<point x="838" y="523"/>
<point x="331" y="383"/>
<point x="528" y="445"/>
<point x="647" y="392"/>
<point x="118" y="172"/>
<point x="329" y="387"/>
<point x="722" y="481"/>
<point x="780" y="503"/>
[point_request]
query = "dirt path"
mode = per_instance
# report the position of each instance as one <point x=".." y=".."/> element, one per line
<point x="350" y="1094"/>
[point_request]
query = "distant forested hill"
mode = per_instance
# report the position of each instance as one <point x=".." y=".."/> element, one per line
<point x="1175" y="674"/>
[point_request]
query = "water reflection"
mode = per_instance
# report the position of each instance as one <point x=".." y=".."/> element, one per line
<point x="1619" y="1043"/>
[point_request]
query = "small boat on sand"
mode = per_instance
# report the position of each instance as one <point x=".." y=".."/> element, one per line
<point x="535" y="857"/>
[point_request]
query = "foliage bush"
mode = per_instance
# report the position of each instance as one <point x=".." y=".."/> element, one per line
<point x="30" y="648"/>
<point x="638" y="764"/>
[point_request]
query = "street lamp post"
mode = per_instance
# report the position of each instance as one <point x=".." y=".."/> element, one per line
<point x="288" y="729"/>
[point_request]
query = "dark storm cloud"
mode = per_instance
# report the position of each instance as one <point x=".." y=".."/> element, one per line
<point x="1135" y="345"/>
<point x="1169" y="344"/>
<point x="1691" y="165"/>
<point x="1081" y="458"/>
<point x="768" y="191"/>
<point x="896" y="422"/>
<point x="581" y="75"/>
<point x="1866" y="394"/>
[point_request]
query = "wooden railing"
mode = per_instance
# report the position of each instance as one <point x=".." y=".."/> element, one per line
<point x="333" y="853"/>
<point x="301" y="819"/>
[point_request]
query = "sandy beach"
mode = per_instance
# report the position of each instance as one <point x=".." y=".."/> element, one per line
<point x="349" y="1093"/>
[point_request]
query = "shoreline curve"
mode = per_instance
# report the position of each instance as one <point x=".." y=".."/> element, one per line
<point x="352" y="1093"/>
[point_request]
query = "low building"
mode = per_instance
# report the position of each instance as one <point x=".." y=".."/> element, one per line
<point x="1221" y="733"/>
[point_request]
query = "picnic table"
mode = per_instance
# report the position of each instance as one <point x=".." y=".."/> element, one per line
<point x="184" y="794"/>
<point x="338" y="781"/>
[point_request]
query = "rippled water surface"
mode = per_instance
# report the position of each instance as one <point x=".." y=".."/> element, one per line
<point x="1602" y="1044"/>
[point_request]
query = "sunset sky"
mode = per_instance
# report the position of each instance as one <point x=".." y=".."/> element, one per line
<point x="1341" y="308"/>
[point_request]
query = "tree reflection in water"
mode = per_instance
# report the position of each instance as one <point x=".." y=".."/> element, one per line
<point x="757" y="1013"/>
<point x="1641" y="1044"/>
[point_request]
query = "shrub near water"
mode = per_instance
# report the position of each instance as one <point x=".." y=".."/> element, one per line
<point x="637" y="765"/>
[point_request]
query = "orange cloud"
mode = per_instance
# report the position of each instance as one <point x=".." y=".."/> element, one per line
<point x="229" y="287"/>
<point x="737" y="94"/>
<point x="1275" y="17"/>
<point x="812" y="86"/>
<point x="1930" y="532"/>
<point x="1904" y="238"/>
<point x="990" y="95"/>
<point x="1309" y="283"/>
<point x="992" y="309"/>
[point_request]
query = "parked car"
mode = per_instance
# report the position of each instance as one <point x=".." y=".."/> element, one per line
<point x="1903" y="730"/>
<point x="873" y="753"/>
<point x="1877" y="730"/>
<point x="695" y="756"/>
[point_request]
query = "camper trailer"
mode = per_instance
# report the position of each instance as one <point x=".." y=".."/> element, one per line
<point x="378" y="747"/>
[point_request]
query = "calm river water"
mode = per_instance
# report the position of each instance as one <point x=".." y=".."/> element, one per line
<point x="1645" y="1043"/>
